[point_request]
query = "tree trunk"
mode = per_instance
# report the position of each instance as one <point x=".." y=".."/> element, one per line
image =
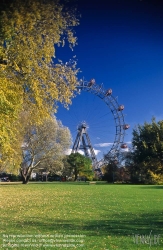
<point x="76" y="174"/>
<point x="27" y="171"/>
<point x="25" y="174"/>
<point x="25" y="179"/>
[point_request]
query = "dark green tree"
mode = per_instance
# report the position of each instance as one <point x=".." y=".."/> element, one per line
<point x="80" y="164"/>
<point x="110" y="172"/>
<point x="132" y="169"/>
<point x="147" y="156"/>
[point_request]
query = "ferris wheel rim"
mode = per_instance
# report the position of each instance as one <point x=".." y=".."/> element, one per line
<point x="118" y="116"/>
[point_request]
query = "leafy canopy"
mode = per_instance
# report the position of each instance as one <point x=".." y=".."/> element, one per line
<point x="148" y="149"/>
<point x="80" y="164"/>
<point x="32" y="80"/>
<point x="44" y="146"/>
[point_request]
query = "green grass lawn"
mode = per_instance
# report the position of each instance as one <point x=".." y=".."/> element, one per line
<point x="89" y="217"/>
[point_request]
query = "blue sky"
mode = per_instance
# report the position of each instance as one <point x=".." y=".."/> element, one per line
<point x="120" y="44"/>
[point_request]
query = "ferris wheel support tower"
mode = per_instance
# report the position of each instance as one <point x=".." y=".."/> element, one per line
<point x="83" y="142"/>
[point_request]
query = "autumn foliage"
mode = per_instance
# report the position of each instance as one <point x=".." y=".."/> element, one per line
<point x="33" y="81"/>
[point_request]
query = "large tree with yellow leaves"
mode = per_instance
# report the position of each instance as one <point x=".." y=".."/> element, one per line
<point x="32" y="80"/>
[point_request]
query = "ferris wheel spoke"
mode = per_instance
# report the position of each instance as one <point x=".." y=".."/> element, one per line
<point x="101" y="122"/>
<point x="89" y="110"/>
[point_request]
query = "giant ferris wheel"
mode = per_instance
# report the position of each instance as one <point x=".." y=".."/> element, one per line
<point x="83" y="141"/>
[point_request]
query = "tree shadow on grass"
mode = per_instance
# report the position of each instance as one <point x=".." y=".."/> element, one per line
<point x="43" y="183"/>
<point x="125" y="225"/>
<point x="152" y="187"/>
